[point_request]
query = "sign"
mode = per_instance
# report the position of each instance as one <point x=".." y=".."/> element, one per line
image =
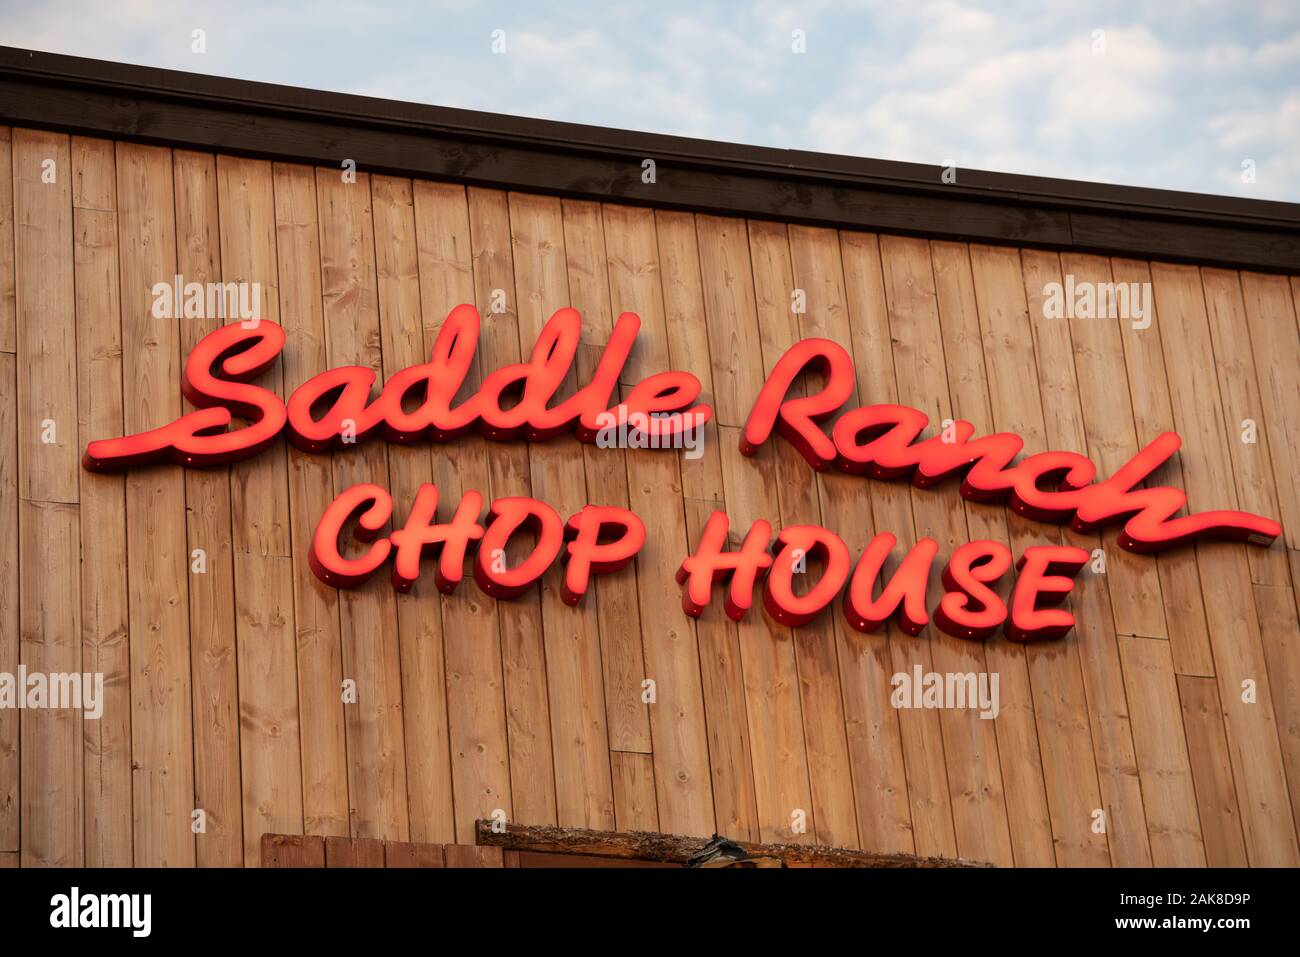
<point x="335" y="409"/>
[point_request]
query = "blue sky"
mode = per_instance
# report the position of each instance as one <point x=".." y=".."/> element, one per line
<point x="1181" y="95"/>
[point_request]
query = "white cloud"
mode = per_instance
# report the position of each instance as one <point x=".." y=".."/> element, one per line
<point x="1175" y="100"/>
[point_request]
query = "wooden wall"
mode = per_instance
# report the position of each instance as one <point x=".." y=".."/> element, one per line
<point x="223" y="688"/>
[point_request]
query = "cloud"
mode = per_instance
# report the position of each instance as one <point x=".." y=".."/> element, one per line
<point x="1017" y="86"/>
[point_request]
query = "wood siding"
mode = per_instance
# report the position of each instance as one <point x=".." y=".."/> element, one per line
<point x="1128" y="743"/>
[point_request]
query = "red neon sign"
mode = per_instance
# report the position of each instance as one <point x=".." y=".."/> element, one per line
<point x="597" y="540"/>
<point x="336" y="408"/>
<point x="969" y="608"/>
<point x="881" y="441"/>
<point x="218" y="372"/>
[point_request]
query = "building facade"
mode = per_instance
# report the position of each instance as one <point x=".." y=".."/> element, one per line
<point x="242" y="695"/>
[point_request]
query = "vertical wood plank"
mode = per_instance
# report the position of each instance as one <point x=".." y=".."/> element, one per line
<point x="521" y="646"/>
<point x="1280" y="631"/>
<point x="1239" y="392"/>
<point x="656" y="488"/>
<point x="583" y="787"/>
<point x="735" y="353"/>
<point x="52" y="822"/>
<point x="1107" y="416"/>
<point x="921" y="730"/>
<point x="1180" y="582"/>
<point x="9" y="798"/>
<point x="270" y="747"/>
<point x="1276" y="349"/>
<point x="10" y="813"/>
<point x="782" y="789"/>
<point x="270" y="757"/>
<point x="48" y="527"/>
<point x="217" y="786"/>
<point x="368" y="615"/>
<point x="319" y="644"/>
<point x="699" y="780"/>
<point x="881" y="777"/>
<point x="1018" y="746"/>
<point x="47" y="341"/>
<point x="594" y="276"/>
<point x="1083" y="361"/>
<point x="1060" y="703"/>
<point x="1251" y="727"/>
<point x="781" y="785"/>
<point x="259" y="486"/>
<point x="161" y="717"/>
<point x="1259" y="386"/>
<point x="419" y="619"/>
<point x="634" y="791"/>
<point x="1168" y="794"/>
<point x="1207" y="751"/>
<point x="455" y="268"/>
<point x="772" y="251"/>
<point x="8" y="327"/>
<point x="970" y="741"/>
<point x="103" y="502"/>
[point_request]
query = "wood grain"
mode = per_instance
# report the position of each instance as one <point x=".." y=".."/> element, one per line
<point x="8" y="275"/>
<point x="10" y="604"/>
<point x="223" y="688"/>
<point x="162" y="736"/>
<point x="209" y="535"/>
<point x="579" y="732"/>
<point x="264" y="612"/>
<point x="104" y="616"/>
<point x="419" y="619"/>
<point x="1232" y="619"/>
<point x="318" y="642"/>
<point x="368" y="619"/>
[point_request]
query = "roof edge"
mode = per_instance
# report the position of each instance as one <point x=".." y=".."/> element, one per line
<point x="269" y="121"/>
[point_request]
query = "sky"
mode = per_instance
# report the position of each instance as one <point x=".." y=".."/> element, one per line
<point x="1193" y="95"/>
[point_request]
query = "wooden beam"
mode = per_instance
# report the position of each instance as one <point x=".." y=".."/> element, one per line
<point x="675" y="849"/>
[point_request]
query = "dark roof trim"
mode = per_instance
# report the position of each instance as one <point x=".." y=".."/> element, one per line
<point x="269" y="121"/>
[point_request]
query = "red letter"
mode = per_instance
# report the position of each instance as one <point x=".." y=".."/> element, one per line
<point x="506" y="517"/>
<point x="539" y="378"/>
<point x="592" y="550"/>
<point x="877" y="439"/>
<point x="1152" y="526"/>
<point x="374" y="507"/>
<point x="904" y="596"/>
<point x="797" y="542"/>
<point x="420" y="537"/>
<point x="711" y="563"/>
<point x="215" y="380"/>
<point x="436" y="382"/>
<point x="348" y="389"/>
<point x="970" y="609"/>
<point x="1027" y="620"/>
<point x="797" y="418"/>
